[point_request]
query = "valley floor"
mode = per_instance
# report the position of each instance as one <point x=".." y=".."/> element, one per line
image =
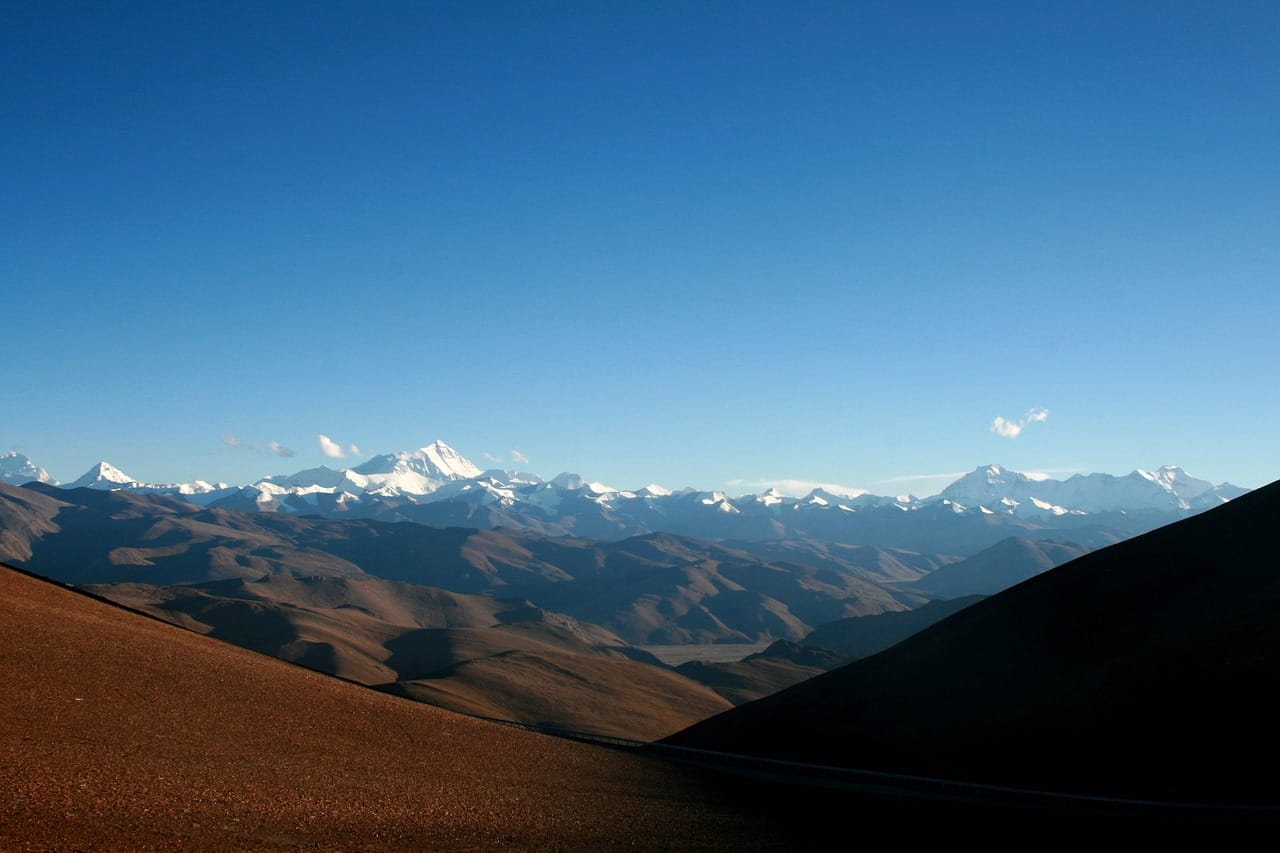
<point x="710" y="652"/>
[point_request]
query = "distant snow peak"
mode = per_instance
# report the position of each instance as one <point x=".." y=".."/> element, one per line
<point x="1178" y="481"/>
<point x="568" y="482"/>
<point x="17" y="469"/>
<point x="104" y="475"/>
<point x="448" y="460"/>
<point x="396" y="482"/>
<point x="437" y="461"/>
<point x="1166" y="489"/>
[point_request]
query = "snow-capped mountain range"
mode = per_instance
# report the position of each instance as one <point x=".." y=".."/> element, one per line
<point x="438" y="485"/>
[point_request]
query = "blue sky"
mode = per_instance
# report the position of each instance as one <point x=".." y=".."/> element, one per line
<point x="711" y="244"/>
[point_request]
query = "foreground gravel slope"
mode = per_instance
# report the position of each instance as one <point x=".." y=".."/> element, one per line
<point x="119" y="732"/>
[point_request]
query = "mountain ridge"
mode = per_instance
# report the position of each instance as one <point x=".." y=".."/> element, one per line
<point x="437" y="485"/>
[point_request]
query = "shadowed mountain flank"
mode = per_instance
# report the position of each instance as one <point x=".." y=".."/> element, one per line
<point x="861" y="636"/>
<point x="1147" y="668"/>
<point x="997" y="568"/>
<point x="781" y="665"/>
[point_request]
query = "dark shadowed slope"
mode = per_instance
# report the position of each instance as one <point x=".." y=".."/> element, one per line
<point x="1146" y="668"/>
<point x="781" y="665"/>
<point x="997" y="568"/>
<point x="119" y="732"/>
<point x="861" y="636"/>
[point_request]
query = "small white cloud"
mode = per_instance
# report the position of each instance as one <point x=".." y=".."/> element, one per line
<point x="518" y="457"/>
<point x="1006" y="429"/>
<point x="1013" y="429"/>
<point x="234" y="443"/>
<point x="491" y="457"/>
<point x="800" y="488"/>
<point x="329" y="447"/>
<point x="353" y="450"/>
<point x="280" y="450"/>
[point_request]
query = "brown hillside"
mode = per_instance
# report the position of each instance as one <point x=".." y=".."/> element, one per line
<point x="600" y="695"/>
<point x="120" y="732"/>
<point x="458" y="651"/>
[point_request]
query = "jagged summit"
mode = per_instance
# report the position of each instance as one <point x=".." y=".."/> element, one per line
<point x="1168" y="488"/>
<point x="437" y="461"/>
<point x="437" y="485"/>
<point x="569" y="481"/>
<point x="1176" y="480"/>
<point x="104" y="475"/>
<point x="17" y="469"/>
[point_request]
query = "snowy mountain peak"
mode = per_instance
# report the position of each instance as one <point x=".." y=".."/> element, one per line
<point x="436" y="461"/>
<point x="982" y="485"/>
<point x="17" y="469"/>
<point x="393" y="483"/>
<point x="448" y="460"/>
<point x="1166" y="489"/>
<point x="104" y="475"/>
<point x="1177" y="481"/>
<point x="569" y="482"/>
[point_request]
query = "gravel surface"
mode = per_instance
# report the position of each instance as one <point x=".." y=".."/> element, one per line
<point x="120" y="732"/>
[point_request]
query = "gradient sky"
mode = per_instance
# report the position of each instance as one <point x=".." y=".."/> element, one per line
<point x="710" y="244"/>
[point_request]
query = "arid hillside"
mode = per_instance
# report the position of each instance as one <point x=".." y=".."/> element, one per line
<point x="122" y="732"/>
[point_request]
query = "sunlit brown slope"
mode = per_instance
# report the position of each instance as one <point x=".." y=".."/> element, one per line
<point x="365" y="629"/>
<point x="1147" y="668"/>
<point x="120" y="732"/>
<point x="601" y="695"/>
<point x="501" y="658"/>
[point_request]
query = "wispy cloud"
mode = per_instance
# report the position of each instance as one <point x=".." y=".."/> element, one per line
<point x="800" y="488"/>
<point x="518" y="457"/>
<point x="274" y="447"/>
<point x="1013" y="429"/>
<point x="914" y="478"/>
<point x="329" y="447"/>
<point x="492" y="458"/>
<point x="353" y="450"/>
<point x="916" y="484"/>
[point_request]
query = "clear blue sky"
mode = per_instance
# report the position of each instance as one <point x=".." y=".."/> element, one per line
<point x="691" y="243"/>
